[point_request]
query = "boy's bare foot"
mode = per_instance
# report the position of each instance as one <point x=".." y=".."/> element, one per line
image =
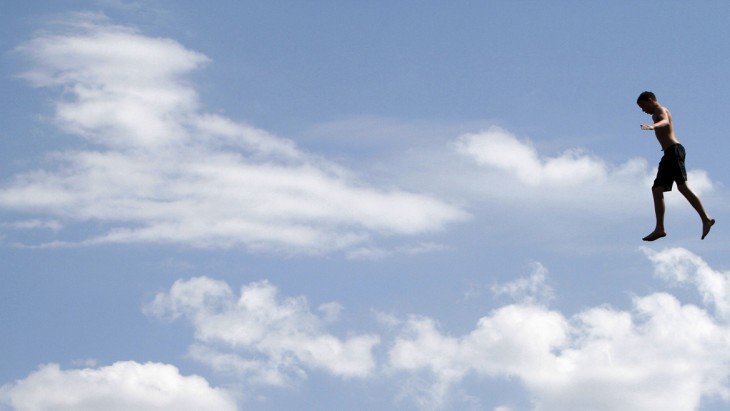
<point x="706" y="225"/>
<point x="655" y="235"/>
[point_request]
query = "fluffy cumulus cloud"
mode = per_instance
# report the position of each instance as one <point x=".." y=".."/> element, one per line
<point x="121" y="386"/>
<point x="260" y="336"/>
<point x="681" y="266"/>
<point x="161" y="169"/>
<point x="661" y="354"/>
<point x="503" y="151"/>
<point x="511" y="169"/>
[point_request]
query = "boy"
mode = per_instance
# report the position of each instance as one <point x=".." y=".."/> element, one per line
<point x="671" y="166"/>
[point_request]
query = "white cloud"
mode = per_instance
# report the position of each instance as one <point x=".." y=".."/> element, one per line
<point x="33" y="225"/>
<point x="500" y="150"/>
<point x="331" y="311"/>
<point x="504" y="169"/>
<point x="379" y="253"/>
<point x="121" y="386"/>
<point x="374" y="136"/>
<point x="514" y="340"/>
<point x="662" y="354"/>
<point x="682" y="266"/>
<point x="260" y="336"/>
<point x="659" y="353"/>
<point x="167" y="172"/>
<point x="532" y="290"/>
<point x="122" y="89"/>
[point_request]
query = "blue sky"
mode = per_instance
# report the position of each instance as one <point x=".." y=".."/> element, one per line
<point x="346" y="205"/>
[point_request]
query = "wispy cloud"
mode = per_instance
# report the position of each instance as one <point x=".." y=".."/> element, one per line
<point x="33" y="225"/>
<point x="166" y="171"/>
<point x="531" y="290"/>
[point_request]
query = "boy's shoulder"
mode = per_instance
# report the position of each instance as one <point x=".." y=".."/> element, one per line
<point x="661" y="111"/>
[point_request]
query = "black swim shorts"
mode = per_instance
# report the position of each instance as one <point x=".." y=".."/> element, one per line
<point x="671" y="168"/>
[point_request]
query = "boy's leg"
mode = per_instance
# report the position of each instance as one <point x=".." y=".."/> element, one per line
<point x="658" y="194"/>
<point x="707" y="221"/>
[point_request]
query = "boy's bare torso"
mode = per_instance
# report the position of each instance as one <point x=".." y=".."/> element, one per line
<point x="665" y="135"/>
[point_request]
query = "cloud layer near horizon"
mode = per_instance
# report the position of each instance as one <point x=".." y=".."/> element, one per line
<point x="661" y="353"/>
<point x="165" y="171"/>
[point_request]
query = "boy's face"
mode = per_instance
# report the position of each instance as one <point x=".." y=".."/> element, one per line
<point x="648" y="106"/>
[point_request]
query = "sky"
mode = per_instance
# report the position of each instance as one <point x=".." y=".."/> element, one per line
<point x="249" y="205"/>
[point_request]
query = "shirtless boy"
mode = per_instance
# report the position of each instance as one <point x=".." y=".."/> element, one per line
<point x="671" y="166"/>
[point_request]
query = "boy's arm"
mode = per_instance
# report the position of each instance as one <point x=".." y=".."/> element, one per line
<point x="661" y="119"/>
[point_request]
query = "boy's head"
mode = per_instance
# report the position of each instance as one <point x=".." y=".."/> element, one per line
<point x="647" y="95"/>
<point x="647" y="102"/>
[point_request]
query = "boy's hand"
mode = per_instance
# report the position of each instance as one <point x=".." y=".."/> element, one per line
<point x="647" y="127"/>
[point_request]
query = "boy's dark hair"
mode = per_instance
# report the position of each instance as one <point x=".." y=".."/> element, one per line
<point x="645" y="96"/>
